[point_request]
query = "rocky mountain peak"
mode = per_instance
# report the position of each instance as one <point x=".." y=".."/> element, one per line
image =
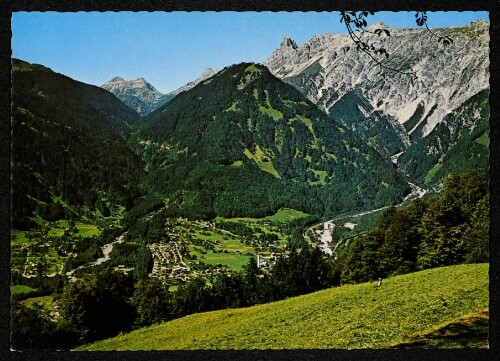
<point x="118" y="84"/>
<point x="141" y="96"/>
<point x="116" y="79"/>
<point x="326" y="68"/>
<point x="317" y="41"/>
<point x="143" y="83"/>
<point x="479" y="24"/>
<point x="138" y="94"/>
<point x="288" y="42"/>
<point x="208" y="72"/>
<point x="378" y="25"/>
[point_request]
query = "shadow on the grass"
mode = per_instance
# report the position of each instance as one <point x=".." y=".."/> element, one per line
<point x="470" y="331"/>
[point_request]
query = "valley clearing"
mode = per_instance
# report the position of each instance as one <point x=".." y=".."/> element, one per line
<point x="405" y="308"/>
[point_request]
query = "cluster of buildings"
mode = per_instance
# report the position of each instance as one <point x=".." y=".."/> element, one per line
<point x="168" y="262"/>
<point x="30" y="269"/>
<point x="268" y="262"/>
<point x="123" y="268"/>
<point x="217" y="270"/>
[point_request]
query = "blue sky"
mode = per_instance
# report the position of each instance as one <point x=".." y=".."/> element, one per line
<point x="171" y="49"/>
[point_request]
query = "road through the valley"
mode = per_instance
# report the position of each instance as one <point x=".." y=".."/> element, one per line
<point x="325" y="232"/>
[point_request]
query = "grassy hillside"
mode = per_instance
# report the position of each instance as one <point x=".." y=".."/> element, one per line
<point x="352" y="316"/>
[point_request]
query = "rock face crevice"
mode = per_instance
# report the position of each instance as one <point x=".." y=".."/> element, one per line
<point x="327" y="67"/>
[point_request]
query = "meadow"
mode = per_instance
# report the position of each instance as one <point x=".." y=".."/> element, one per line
<point x="217" y="246"/>
<point x="405" y="308"/>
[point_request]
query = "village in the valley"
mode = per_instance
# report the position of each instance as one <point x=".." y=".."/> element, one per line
<point x="201" y="249"/>
<point x="190" y="249"/>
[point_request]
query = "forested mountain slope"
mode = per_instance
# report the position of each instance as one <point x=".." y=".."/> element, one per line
<point x="245" y="143"/>
<point x="458" y="143"/>
<point x="67" y="149"/>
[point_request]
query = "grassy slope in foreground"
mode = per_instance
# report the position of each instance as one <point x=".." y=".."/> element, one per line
<point x="351" y="316"/>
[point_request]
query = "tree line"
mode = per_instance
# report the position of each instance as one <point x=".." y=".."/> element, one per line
<point x="451" y="228"/>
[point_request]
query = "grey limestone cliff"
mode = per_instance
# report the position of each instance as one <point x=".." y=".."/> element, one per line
<point x="327" y="67"/>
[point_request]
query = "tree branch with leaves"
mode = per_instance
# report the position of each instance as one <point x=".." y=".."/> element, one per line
<point x="356" y="25"/>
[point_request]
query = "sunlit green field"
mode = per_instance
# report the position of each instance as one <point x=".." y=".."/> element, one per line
<point x="282" y="215"/>
<point x="233" y="261"/>
<point x="231" y="251"/>
<point x="351" y="316"/>
<point x="46" y="302"/>
<point x="285" y="215"/>
<point x="19" y="237"/>
<point x="87" y="230"/>
<point x="17" y="289"/>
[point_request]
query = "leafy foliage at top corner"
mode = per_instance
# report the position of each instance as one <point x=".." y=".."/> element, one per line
<point x="356" y="25"/>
